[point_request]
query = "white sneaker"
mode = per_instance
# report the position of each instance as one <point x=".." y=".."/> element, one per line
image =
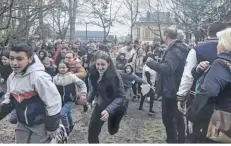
<point x="61" y="136"/>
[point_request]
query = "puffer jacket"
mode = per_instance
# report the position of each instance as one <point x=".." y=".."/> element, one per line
<point x="66" y="85"/>
<point x="79" y="71"/>
<point x="34" y="96"/>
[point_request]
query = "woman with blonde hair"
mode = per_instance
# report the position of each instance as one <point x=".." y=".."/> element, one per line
<point x="213" y="93"/>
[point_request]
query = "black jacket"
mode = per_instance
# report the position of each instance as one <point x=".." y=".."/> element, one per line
<point x="170" y="69"/>
<point x="110" y="89"/>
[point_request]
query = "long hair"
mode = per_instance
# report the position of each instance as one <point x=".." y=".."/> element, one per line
<point x="110" y="72"/>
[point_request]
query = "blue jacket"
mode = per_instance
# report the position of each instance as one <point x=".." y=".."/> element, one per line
<point x="216" y="87"/>
<point x="170" y="69"/>
<point x="128" y="78"/>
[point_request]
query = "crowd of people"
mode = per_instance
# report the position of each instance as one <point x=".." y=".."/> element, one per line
<point x="45" y="82"/>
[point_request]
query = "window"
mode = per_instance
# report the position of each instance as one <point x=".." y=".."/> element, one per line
<point x="147" y="33"/>
<point x="138" y="32"/>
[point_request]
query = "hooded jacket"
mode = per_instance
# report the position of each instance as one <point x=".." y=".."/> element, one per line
<point x="66" y="85"/>
<point x="128" y="78"/>
<point x="34" y="96"/>
<point x="149" y="75"/>
<point x="170" y="69"/>
<point x="80" y="72"/>
<point x="120" y="63"/>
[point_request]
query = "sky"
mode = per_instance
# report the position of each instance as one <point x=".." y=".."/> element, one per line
<point x="117" y="29"/>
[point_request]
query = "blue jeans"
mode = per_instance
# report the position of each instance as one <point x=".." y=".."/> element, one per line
<point x="66" y="115"/>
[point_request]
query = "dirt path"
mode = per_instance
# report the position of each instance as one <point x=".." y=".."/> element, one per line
<point x="136" y="127"/>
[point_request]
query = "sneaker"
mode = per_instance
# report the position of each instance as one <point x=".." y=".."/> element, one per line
<point x="160" y="98"/>
<point x="134" y="98"/>
<point x="151" y="112"/>
<point x="71" y="128"/>
<point x="61" y="136"/>
<point x="140" y="108"/>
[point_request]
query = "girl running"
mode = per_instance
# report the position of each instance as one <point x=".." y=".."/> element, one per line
<point x="66" y="83"/>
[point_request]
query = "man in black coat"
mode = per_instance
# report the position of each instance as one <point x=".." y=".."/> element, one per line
<point x="170" y="70"/>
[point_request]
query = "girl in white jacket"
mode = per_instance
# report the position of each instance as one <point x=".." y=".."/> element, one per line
<point x="149" y="76"/>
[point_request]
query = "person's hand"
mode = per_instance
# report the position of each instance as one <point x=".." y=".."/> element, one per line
<point x="190" y="127"/>
<point x="82" y="99"/>
<point x="202" y="66"/>
<point x="2" y="80"/>
<point x="89" y="107"/>
<point x="104" y="115"/>
<point x="149" y="59"/>
<point x="181" y="107"/>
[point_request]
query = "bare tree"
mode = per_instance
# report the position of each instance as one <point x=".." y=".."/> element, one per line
<point x="133" y="7"/>
<point x="72" y="17"/>
<point x="103" y="16"/>
<point x="194" y="16"/>
<point x="157" y="18"/>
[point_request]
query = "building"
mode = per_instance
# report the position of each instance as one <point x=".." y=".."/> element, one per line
<point x="150" y="27"/>
<point x="92" y="35"/>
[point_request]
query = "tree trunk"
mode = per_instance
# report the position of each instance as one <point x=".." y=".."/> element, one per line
<point x="131" y="37"/>
<point x="72" y="17"/>
<point x="42" y="37"/>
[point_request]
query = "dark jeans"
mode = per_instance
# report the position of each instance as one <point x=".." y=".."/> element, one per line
<point x="95" y="125"/>
<point x="173" y="121"/>
<point x="150" y="94"/>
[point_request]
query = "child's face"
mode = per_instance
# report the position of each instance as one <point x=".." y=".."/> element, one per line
<point x="50" y="55"/>
<point x="19" y="60"/>
<point x="47" y="64"/>
<point x="128" y="69"/>
<point x="5" y="60"/>
<point x="62" y="68"/>
<point x="41" y="54"/>
<point x="122" y="57"/>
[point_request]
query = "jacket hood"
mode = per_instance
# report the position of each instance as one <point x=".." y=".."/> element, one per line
<point x="128" y="64"/>
<point x="122" y="53"/>
<point x="226" y="56"/>
<point x="180" y="45"/>
<point x="35" y="66"/>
